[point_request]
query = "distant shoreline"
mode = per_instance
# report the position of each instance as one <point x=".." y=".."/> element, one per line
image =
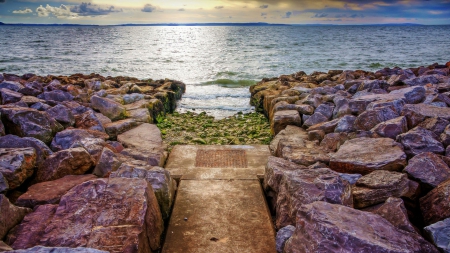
<point x="219" y="24"/>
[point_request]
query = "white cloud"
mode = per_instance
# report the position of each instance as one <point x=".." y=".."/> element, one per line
<point x="59" y="12"/>
<point x="26" y="11"/>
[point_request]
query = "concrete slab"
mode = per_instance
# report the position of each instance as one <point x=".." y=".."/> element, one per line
<point x="183" y="161"/>
<point x="222" y="216"/>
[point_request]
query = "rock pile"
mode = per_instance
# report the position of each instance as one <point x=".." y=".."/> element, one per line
<point x="361" y="159"/>
<point x="80" y="161"/>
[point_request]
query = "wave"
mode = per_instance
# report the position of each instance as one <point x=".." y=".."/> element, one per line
<point x="219" y="107"/>
<point x="214" y="96"/>
<point x="231" y="83"/>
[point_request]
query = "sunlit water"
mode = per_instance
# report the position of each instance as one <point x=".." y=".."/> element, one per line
<point x="217" y="63"/>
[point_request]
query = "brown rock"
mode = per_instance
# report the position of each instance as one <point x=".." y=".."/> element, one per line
<point x="115" y="128"/>
<point x="378" y="186"/>
<point x="13" y="141"/>
<point x="108" y="162"/>
<point x="391" y="128"/>
<point x="16" y="165"/>
<point x="11" y="215"/>
<point x="419" y="140"/>
<point x="346" y="124"/>
<point x="428" y="168"/>
<point x="445" y="136"/>
<point x="324" y="227"/>
<point x="50" y="192"/>
<point x="4" y="247"/>
<point x="394" y="211"/>
<point x="281" y="119"/>
<point x="370" y="118"/>
<point x="88" y="120"/>
<point x="97" y="214"/>
<point x="326" y="127"/>
<point x="316" y="135"/>
<point x="435" y="206"/>
<point x="301" y="151"/>
<point x="109" y="108"/>
<point x="364" y="155"/>
<point x="289" y="131"/>
<point x="416" y="114"/>
<point x="333" y="141"/>
<point x="316" y="118"/>
<point x="73" y="161"/>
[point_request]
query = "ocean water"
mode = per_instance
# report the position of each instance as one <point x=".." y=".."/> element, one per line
<point x="217" y="63"/>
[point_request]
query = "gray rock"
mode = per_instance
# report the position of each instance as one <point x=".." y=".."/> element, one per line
<point x="351" y="178"/>
<point x="428" y="168"/>
<point x="435" y="125"/>
<point x="282" y="236"/>
<point x="416" y="114"/>
<point x="325" y="109"/>
<point x="346" y="124"/>
<point x="41" y="249"/>
<point x="439" y="233"/>
<point x="370" y="118"/>
<point x="131" y="98"/>
<point x="422" y="80"/>
<point x="412" y="95"/>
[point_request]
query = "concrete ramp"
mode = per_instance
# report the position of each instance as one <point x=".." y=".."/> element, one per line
<point x="220" y="205"/>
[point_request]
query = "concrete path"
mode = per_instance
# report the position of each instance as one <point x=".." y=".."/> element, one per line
<point x="220" y="205"/>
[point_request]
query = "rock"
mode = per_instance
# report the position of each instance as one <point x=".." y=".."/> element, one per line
<point x="394" y="211"/>
<point x="115" y="128"/>
<point x="162" y="183"/>
<point x="370" y="118"/>
<point x="50" y="192"/>
<point x="11" y="215"/>
<point x="16" y="165"/>
<point x="346" y="124"/>
<point x="282" y="236"/>
<point x="445" y="136"/>
<point x="395" y="104"/>
<point x="435" y="125"/>
<point x="12" y="141"/>
<point x="8" y="96"/>
<point x="287" y="132"/>
<point x="107" y="163"/>
<point x="109" y="108"/>
<point x="131" y="98"/>
<point x="4" y="247"/>
<point x="56" y="95"/>
<point x="89" y="120"/>
<point x="40" y="106"/>
<point x="435" y="206"/>
<point x="419" y="140"/>
<point x="333" y="141"/>
<point x="31" y="89"/>
<point x="97" y="214"/>
<point x="391" y="128"/>
<point x="27" y="122"/>
<point x="439" y="233"/>
<point x="281" y="119"/>
<point x="2" y="127"/>
<point x="428" y="169"/>
<point x="11" y="85"/>
<point x="145" y="139"/>
<point x="325" y="109"/>
<point x="416" y="114"/>
<point x="301" y="151"/>
<point x="326" y="127"/>
<point x="316" y="135"/>
<point x="40" y="249"/>
<point x="378" y="186"/>
<point x="103" y="119"/>
<point x="4" y="186"/>
<point x="141" y="115"/>
<point x="295" y="187"/>
<point x="316" y="118"/>
<point x="325" y="227"/>
<point x="62" y="114"/>
<point x="351" y="178"/>
<point x="422" y="80"/>
<point x="72" y="161"/>
<point x="364" y="155"/>
<point x="412" y="95"/>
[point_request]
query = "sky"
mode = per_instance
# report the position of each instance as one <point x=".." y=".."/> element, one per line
<point x="110" y="12"/>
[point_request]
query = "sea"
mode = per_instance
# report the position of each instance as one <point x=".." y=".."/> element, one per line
<point x="218" y="63"/>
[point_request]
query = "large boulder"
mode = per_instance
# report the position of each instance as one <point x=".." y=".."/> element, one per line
<point x="281" y="119"/>
<point x="416" y="114"/>
<point x="11" y="85"/>
<point x="346" y="124"/>
<point x="289" y="131"/>
<point x="435" y="206"/>
<point x="435" y="125"/>
<point x="27" y="122"/>
<point x="298" y="150"/>
<point x="8" y="96"/>
<point x="13" y="141"/>
<point x="420" y="140"/>
<point x="108" y="162"/>
<point x="428" y="168"/>
<point x="89" y="120"/>
<point x="108" y="107"/>
<point x="327" y="127"/>
<point x="56" y="95"/>
<point x="144" y="142"/>
<point x="11" y="215"/>
<point x="295" y="187"/>
<point x="325" y="227"/>
<point x="314" y="119"/>
<point x="17" y="164"/>
<point x="118" y="127"/>
<point x="378" y="186"/>
<point x="61" y="114"/>
<point x="96" y="214"/>
<point x="439" y="234"/>
<point x="72" y="161"/>
<point x="162" y="183"/>
<point x="50" y="192"/>
<point x="412" y="95"/>
<point x="364" y="155"/>
<point x="391" y="128"/>
<point x="41" y="249"/>
<point x="370" y="118"/>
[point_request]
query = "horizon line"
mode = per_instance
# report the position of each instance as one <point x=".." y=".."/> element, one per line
<point x="220" y="24"/>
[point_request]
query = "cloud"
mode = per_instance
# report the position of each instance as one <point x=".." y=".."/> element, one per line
<point x="26" y="11"/>
<point x="148" y="8"/>
<point x="320" y="15"/>
<point x="288" y="15"/>
<point x="264" y="6"/>
<point x="59" y="12"/>
<point x="2" y="1"/>
<point x="219" y="7"/>
<point x="182" y="9"/>
<point x="88" y="9"/>
<point x="263" y="14"/>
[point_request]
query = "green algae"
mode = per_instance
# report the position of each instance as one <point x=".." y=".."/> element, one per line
<point x="201" y="129"/>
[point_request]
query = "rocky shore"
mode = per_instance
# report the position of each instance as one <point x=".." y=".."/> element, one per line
<point x="81" y="163"/>
<point x="360" y="159"/>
